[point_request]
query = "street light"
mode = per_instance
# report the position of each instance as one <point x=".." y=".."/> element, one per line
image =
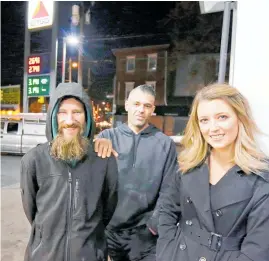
<point x="72" y="40"/>
<point x="74" y="65"/>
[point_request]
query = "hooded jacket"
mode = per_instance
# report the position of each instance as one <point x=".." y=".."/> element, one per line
<point x="145" y="163"/>
<point x="67" y="206"/>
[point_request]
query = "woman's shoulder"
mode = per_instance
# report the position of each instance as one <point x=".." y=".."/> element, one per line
<point x="261" y="187"/>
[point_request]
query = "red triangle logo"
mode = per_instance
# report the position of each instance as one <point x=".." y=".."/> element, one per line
<point x="40" y="11"/>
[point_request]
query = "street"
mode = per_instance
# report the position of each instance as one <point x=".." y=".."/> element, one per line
<point x="10" y="170"/>
<point x="15" y="228"/>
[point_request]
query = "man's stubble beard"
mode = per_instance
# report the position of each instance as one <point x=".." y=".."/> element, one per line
<point x="139" y="124"/>
<point x="69" y="149"/>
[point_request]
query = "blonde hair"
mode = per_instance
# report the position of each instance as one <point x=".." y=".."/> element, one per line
<point x="195" y="149"/>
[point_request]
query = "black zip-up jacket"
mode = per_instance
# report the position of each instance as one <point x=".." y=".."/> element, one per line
<point x="67" y="207"/>
<point x="145" y="162"/>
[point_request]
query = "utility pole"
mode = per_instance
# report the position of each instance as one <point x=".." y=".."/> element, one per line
<point x="54" y="50"/>
<point x="224" y="41"/>
<point x="80" y="50"/>
<point x="64" y="60"/>
<point x="70" y="70"/>
<point x="80" y="17"/>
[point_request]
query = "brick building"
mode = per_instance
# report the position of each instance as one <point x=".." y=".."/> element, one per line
<point x="141" y="65"/>
<point x="175" y="83"/>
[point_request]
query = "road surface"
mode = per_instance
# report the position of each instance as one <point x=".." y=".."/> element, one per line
<point x="15" y="228"/>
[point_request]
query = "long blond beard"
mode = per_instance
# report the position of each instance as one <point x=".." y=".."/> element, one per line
<point x="71" y="149"/>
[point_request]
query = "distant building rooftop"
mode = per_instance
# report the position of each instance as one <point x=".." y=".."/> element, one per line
<point x="128" y="49"/>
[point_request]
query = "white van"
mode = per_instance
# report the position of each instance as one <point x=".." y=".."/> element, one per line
<point x="21" y="132"/>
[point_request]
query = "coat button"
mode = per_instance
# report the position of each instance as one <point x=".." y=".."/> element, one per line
<point x="188" y="222"/>
<point x="202" y="259"/>
<point x="218" y="213"/>
<point x="189" y="201"/>
<point x="182" y="246"/>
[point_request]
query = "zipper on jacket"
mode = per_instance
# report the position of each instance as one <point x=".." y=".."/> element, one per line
<point x="135" y="147"/>
<point x="40" y="241"/>
<point x="76" y="194"/>
<point x="69" y="217"/>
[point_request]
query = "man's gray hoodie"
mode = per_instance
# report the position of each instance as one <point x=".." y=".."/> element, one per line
<point x="67" y="205"/>
<point x="146" y="161"/>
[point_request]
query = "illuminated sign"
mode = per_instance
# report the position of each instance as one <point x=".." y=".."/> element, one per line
<point x="38" y="64"/>
<point x="38" y="86"/>
<point x="40" y="14"/>
<point x="11" y="95"/>
<point x="34" y="65"/>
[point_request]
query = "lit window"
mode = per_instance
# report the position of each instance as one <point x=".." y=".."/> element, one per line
<point x="130" y="63"/>
<point x="128" y="88"/>
<point x="152" y="62"/>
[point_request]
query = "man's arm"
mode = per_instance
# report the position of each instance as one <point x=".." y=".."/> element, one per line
<point x="29" y="188"/>
<point x="110" y="195"/>
<point x="170" y="169"/>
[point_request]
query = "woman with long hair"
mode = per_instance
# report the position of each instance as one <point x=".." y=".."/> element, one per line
<point x="217" y="207"/>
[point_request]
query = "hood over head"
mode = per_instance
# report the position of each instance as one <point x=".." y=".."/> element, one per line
<point x="62" y="91"/>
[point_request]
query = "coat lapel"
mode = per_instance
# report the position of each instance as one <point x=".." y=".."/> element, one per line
<point x="234" y="187"/>
<point x="196" y="185"/>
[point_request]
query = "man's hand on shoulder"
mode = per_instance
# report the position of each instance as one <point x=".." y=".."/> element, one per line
<point x="103" y="148"/>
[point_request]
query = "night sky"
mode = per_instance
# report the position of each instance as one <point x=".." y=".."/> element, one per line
<point x="107" y="19"/>
<point x="113" y="25"/>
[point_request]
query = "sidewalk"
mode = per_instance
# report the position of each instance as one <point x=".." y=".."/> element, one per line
<point x="15" y="227"/>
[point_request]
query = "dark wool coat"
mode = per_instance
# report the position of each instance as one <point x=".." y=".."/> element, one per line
<point x="230" y="225"/>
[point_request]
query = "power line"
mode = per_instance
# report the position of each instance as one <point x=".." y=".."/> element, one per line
<point x="93" y="61"/>
<point x="123" y="37"/>
<point x="116" y="37"/>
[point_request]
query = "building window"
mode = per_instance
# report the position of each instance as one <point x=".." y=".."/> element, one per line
<point x="152" y="62"/>
<point x="130" y="63"/>
<point x="128" y="87"/>
<point x="152" y="83"/>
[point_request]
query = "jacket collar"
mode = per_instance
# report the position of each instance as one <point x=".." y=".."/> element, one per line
<point x="196" y="184"/>
<point x="126" y="130"/>
<point x="263" y="174"/>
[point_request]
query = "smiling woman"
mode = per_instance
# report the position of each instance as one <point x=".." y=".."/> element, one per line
<point x="218" y="124"/>
<point x="217" y="206"/>
<point x="221" y="122"/>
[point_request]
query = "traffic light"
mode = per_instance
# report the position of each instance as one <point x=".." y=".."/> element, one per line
<point x="1" y="95"/>
<point x="41" y="99"/>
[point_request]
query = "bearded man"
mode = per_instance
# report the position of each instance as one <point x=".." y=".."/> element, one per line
<point x="69" y="193"/>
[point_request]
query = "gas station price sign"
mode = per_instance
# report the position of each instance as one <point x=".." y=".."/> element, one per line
<point x="38" y="64"/>
<point x="38" y="86"/>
